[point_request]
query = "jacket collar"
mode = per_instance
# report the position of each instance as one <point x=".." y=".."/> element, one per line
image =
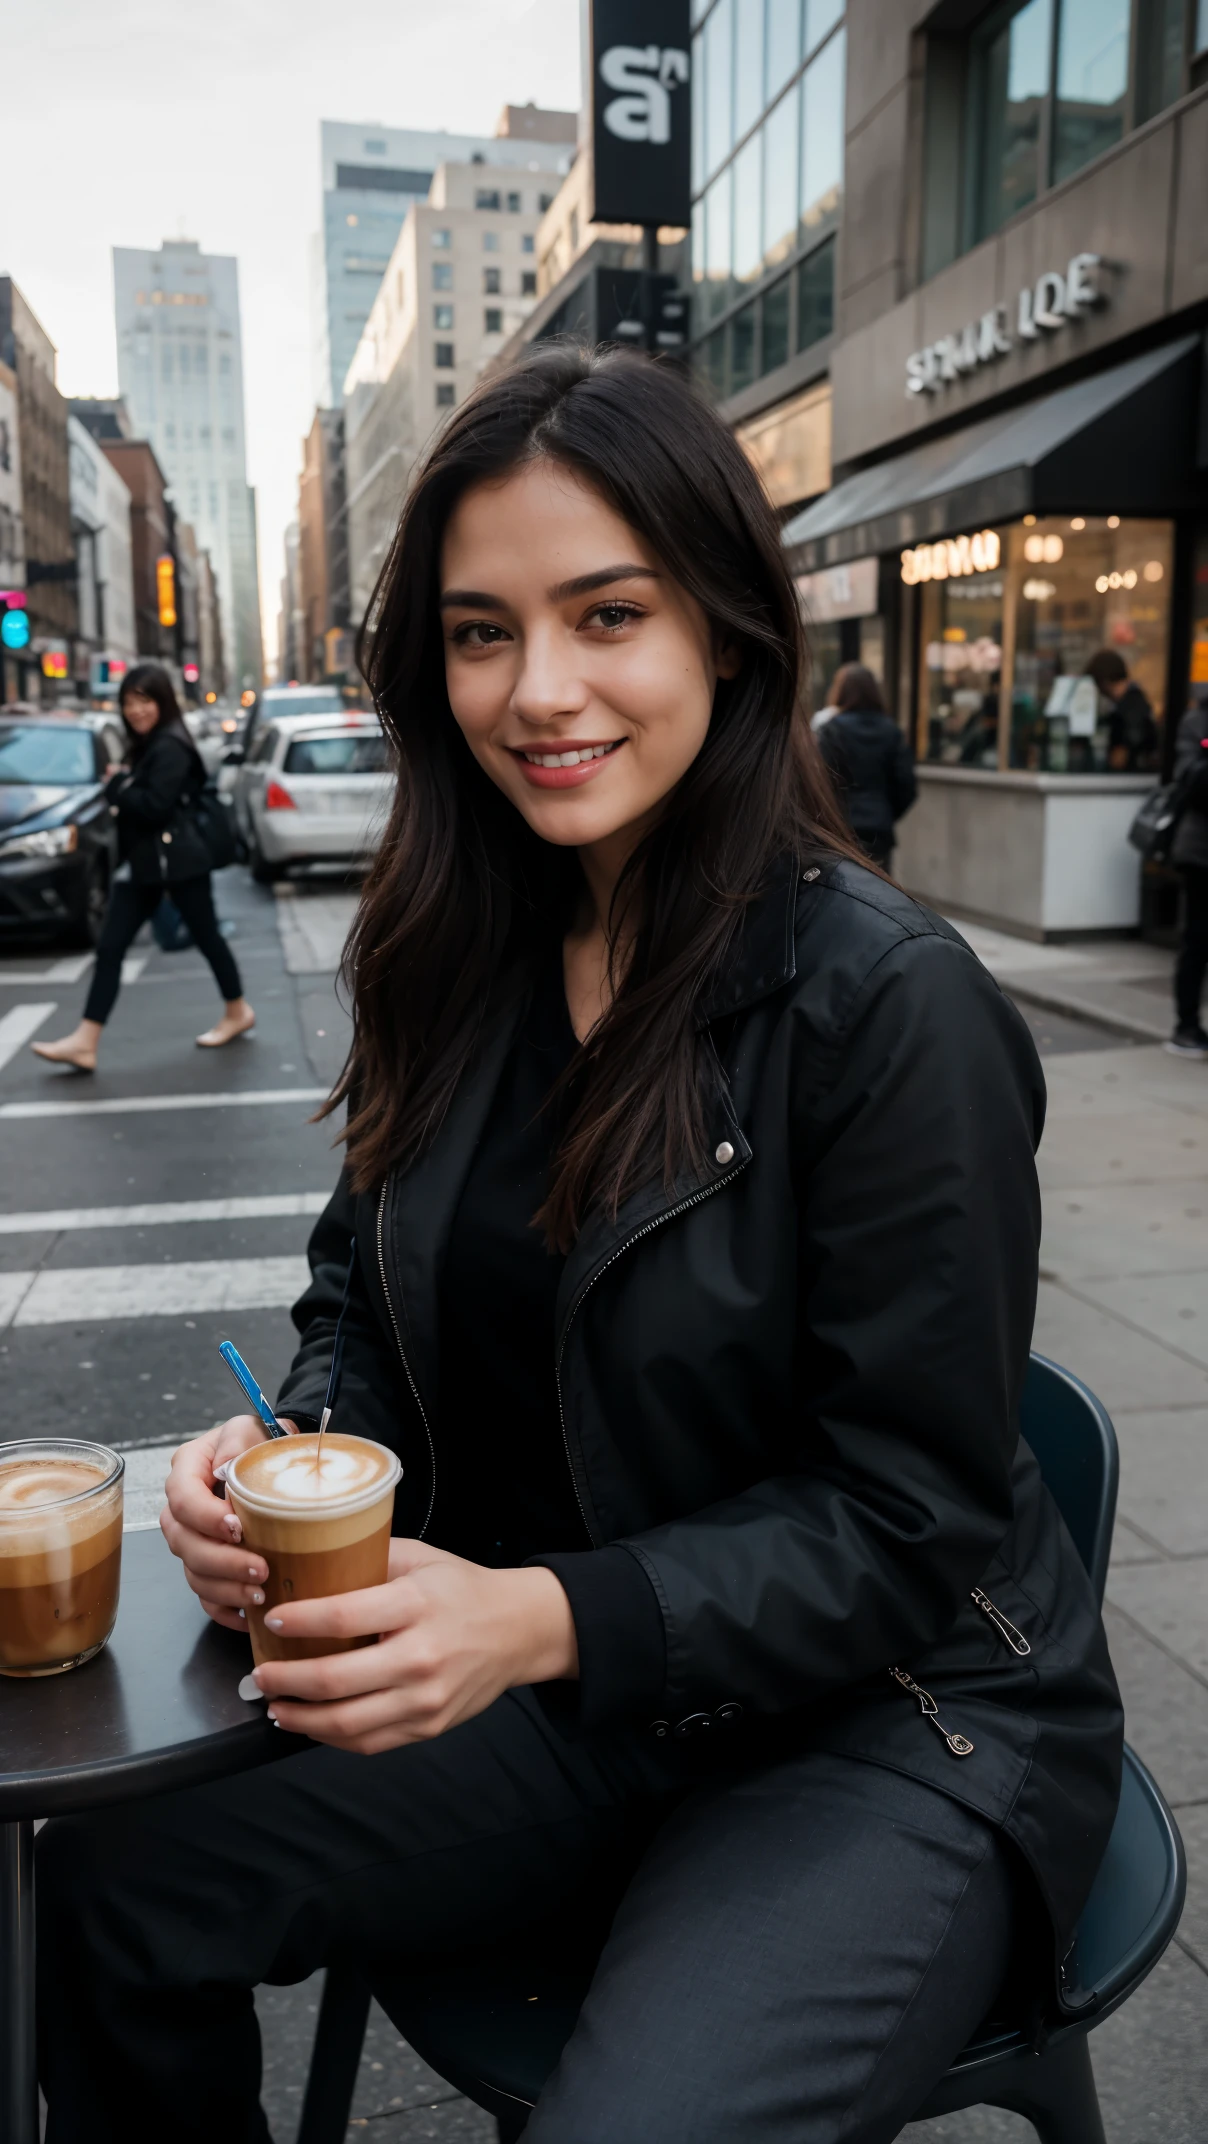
<point x="764" y="953"/>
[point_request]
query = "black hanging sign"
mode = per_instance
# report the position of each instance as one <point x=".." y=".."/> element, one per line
<point x="641" y="111"/>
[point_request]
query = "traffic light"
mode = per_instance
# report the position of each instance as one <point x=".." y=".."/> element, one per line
<point x="165" y="587"/>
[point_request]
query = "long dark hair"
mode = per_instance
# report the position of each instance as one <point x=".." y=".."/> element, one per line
<point x="151" y="680"/>
<point x="463" y="896"/>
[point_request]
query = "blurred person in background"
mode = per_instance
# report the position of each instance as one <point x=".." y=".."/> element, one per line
<point x="869" y="760"/>
<point x="162" y="850"/>
<point x="1189" y="854"/>
<point x="1132" y="746"/>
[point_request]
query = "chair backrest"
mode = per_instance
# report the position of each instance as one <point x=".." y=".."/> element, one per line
<point x="1071" y="1434"/>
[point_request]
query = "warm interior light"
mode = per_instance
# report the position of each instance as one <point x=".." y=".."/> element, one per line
<point x="1113" y="521"/>
<point x="1029" y="521"/>
<point x="1153" y="569"/>
<point x="1102" y="584"/>
<point x="1038" y="591"/>
<point x="1078" y="523"/>
<point x="1129" y="577"/>
<point x="278" y="799"/>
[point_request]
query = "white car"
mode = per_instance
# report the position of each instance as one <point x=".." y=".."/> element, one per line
<point x="313" y="792"/>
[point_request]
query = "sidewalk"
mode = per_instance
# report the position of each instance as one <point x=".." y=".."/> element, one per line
<point x="1121" y="982"/>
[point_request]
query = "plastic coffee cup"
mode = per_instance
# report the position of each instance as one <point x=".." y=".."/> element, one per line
<point x="321" y="1523"/>
<point x="60" y="1552"/>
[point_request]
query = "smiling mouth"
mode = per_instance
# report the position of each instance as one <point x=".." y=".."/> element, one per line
<point x="574" y="756"/>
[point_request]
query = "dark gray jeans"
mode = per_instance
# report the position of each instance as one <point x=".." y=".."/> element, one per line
<point x="797" y="1949"/>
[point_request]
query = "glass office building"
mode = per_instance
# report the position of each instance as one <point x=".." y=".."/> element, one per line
<point x="768" y="89"/>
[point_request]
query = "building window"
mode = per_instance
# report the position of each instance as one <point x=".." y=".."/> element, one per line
<point x="487" y="197"/>
<point x="442" y="316"/>
<point x="1037" y="90"/>
<point x="528" y="283"/>
<point x="443" y="359"/>
<point x="528" y="243"/>
<point x="789" y="315"/>
<point x="446" y="394"/>
<point x="1059" y="594"/>
<point x="490" y="241"/>
<point x="442" y="275"/>
<point x="491" y="282"/>
<point x="816" y="296"/>
<point x="514" y="204"/>
<point x="544" y="201"/>
<point x="442" y="240"/>
<point x="492" y="319"/>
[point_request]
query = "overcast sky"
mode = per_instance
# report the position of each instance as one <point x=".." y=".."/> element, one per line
<point x="138" y="120"/>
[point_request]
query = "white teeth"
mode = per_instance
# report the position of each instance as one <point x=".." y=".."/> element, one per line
<point x="570" y="759"/>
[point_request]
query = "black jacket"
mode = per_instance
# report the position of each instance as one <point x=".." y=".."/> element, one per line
<point x="157" y="834"/>
<point x="790" y="1386"/>
<point x="873" y="771"/>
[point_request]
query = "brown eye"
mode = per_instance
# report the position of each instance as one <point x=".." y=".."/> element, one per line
<point x="613" y="615"/>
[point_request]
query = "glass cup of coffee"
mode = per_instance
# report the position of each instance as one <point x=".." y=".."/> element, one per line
<point x="321" y="1521"/>
<point x="60" y="1552"/>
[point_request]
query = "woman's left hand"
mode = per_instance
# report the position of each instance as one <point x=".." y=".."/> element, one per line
<point x="453" y="1636"/>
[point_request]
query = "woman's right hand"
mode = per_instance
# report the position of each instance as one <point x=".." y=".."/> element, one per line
<point x="204" y="1532"/>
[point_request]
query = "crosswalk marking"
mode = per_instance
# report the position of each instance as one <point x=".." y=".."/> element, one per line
<point x="277" y="1207"/>
<point x="131" y="1104"/>
<point x="17" y="1026"/>
<point x="67" y="1295"/>
<point x="72" y="969"/>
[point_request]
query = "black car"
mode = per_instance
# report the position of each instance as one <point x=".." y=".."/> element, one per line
<point x="58" y="837"/>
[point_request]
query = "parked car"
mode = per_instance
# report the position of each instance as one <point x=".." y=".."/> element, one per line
<point x="278" y="700"/>
<point x="58" y="837"/>
<point x="313" y="792"/>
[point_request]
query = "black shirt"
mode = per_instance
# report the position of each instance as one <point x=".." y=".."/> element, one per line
<point x="504" y="1488"/>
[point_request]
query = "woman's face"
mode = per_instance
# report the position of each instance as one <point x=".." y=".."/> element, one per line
<point x="141" y="712"/>
<point x="579" y="673"/>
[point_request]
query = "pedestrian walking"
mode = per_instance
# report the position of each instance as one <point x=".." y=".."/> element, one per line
<point x="686" y="1249"/>
<point x="869" y="759"/>
<point x="163" y="848"/>
<point x="1189" y="854"/>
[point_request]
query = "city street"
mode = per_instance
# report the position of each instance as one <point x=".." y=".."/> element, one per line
<point x="155" y="1209"/>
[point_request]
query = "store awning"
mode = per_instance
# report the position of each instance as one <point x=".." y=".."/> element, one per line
<point x="1120" y="442"/>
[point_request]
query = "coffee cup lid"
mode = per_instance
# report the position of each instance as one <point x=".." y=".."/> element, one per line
<point x="280" y="1507"/>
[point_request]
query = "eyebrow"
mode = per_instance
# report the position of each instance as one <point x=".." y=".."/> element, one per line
<point x="584" y="584"/>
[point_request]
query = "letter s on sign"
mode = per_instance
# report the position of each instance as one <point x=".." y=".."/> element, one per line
<point x="644" y="113"/>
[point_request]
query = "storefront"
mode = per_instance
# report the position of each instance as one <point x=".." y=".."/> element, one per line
<point x="1041" y="590"/>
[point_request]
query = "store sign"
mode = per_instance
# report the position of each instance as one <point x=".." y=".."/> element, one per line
<point x="839" y="592"/>
<point x="1042" y="308"/>
<point x="165" y="588"/>
<point x="951" y="559"/>
<point x="641" y="111"/>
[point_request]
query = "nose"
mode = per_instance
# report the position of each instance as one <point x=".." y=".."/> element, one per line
<point x="549" y="682"/>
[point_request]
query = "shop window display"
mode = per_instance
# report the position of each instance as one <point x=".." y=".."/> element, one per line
<point x="1072" y="614"/>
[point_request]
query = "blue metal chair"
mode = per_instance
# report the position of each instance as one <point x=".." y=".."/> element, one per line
<point x="494" y="2026"/>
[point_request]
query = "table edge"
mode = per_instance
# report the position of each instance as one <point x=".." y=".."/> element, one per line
<point x="69" y="1788"/>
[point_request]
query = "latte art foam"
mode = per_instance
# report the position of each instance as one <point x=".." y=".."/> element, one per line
<point x="25" y="1484"/>
<point x="293" y="1475"/>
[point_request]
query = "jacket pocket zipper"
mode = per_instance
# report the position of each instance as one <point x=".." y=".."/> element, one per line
<point x="1006" y="1630"/>
<point x="960" y="1745"/>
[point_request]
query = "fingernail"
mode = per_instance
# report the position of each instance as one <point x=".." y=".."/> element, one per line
<point x="273" y="1717"/>
<point x="244" y="1617"/>
<point x="254" y="1573"/>
<point x="257" y="1597"/>
<point x="236" y="1531"/>
<point x="221" y="1472"/>
<point x="271" y="1622"/>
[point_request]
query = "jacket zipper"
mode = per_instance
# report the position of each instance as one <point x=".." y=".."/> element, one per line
<point x="398" y="1341"/>
<point x="960" y="1745"/>
<point x="647" y="1229"/>
<point x="1006" y="1630"/>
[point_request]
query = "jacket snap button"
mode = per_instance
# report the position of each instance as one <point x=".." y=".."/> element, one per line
<point x="695" y="1724"/>
<point x="808" y="877"/>
<point x="727" y="1714"/>
<point x="724" y="1155"/>
<point x="661" y="1728"/>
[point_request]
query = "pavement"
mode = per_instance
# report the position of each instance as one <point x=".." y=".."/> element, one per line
<point x="152" y="1209"/>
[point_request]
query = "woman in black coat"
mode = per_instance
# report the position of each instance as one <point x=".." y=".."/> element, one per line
<point x="689" y="1229"/>
<point x="869" y="760"/>
<point x="162" y="850"/>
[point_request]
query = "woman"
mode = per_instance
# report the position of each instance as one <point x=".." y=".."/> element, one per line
<point x="689" y="1166"/>
<point x="161" y="848"/>
<point x="869" y="760"/>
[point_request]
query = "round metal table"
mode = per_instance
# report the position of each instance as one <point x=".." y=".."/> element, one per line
<point x="158" y="1708"/>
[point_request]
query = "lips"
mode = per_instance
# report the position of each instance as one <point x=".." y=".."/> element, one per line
<point x="565" y="769"/>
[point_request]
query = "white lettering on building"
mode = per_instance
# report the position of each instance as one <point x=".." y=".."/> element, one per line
<point x="647" y="75"/>
<point x="1042" y="308"/>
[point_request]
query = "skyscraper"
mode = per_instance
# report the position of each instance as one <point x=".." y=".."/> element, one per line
<point x="180" y="366"/>
<point x="371" y="176"/>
